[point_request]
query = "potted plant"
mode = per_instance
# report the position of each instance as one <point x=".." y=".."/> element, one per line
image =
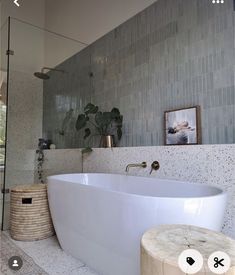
<point x="107" y="125"/>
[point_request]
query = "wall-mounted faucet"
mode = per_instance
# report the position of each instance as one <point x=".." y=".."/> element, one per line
<point x="155" y="166"/>
<point x="143" y="165"/>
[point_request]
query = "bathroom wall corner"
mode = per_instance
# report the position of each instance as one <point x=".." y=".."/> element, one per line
<point x="60" y="161"/>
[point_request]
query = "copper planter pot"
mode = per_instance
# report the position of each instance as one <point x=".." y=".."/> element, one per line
<point x="107" y="142"/>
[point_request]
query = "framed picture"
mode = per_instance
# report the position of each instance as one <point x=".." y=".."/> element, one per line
<point x="183" y="126"/>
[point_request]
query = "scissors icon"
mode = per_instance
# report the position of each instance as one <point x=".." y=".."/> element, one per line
<point x="218" y="262"/>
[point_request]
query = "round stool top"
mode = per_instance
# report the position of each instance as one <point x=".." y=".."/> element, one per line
<point x="38" y="187"/>
<point x="167" y="242"/>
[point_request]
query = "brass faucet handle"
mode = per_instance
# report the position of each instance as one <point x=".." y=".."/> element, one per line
<point x="144" y="164"/>
<point x="155" y="166"/>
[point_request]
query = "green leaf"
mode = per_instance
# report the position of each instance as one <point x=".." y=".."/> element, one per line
<point x="87" y="133"/>
<point x="89" y="106"/>
<point x="87" y="150"/>
<point x="104" y="122"/>
<point x="91" y="109"/>
<point x="119" y="132"/>
<point x="99" y="119"/>
<point x="119" y="120"/>
<point x="81" y="121"/>
<point x="107" y="118"/>
<point x="115" y="113"/>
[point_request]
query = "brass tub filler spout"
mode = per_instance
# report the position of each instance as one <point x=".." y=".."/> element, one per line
<point x="143" y="165"/>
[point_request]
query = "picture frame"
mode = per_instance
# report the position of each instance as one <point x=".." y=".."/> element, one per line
<point x="182" y="126"/>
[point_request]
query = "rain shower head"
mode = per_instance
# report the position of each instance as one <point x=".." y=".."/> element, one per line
<point x="44" y="76"/>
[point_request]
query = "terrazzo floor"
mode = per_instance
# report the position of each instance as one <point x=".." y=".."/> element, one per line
<point x="40" y="258"/>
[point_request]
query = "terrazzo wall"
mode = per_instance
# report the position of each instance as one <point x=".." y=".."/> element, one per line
<point x="174" y="54"/>
<point x="24" y="126"/>
<point x="60" y="162"/>
<point x="206" y="164"/>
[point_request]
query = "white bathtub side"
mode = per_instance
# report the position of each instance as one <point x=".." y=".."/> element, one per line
<point x="104" y="228"/>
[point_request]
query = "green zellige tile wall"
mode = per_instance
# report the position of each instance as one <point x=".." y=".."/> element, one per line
<point x="175" y="53"/>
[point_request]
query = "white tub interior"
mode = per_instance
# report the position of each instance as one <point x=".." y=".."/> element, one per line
<point x="142" y="186"/>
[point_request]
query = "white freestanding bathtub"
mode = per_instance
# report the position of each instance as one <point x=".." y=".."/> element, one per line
<point x="100" y="218"/>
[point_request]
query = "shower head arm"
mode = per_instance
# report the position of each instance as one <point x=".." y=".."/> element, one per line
<point x="51" y="69"/>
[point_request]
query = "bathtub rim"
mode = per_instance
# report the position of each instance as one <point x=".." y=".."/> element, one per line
<point x="221" y="193"/>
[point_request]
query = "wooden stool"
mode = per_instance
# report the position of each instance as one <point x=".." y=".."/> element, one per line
<point x="30" y="217"/>
<point x="161" y="247"/>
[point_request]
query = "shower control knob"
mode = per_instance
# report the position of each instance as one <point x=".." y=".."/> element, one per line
<point x="155" y="166"/>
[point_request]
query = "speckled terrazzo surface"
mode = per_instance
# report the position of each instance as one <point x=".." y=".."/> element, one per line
<point x="43" y="257"/>
<point x="206" y="164"/>
<point x="9" y="249"/>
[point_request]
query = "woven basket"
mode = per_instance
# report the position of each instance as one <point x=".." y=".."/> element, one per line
<point x="30" y="217"/>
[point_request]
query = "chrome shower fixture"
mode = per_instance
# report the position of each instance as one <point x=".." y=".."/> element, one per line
<point x="45" y="76"/>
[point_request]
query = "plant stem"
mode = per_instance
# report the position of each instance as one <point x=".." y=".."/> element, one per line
<point x="94" y="135"/>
